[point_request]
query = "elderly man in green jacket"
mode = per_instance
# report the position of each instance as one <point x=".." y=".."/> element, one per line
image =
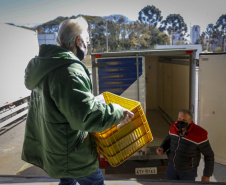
<point x="63" y="112"/>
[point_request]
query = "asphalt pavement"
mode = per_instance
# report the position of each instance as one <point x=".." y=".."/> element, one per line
<point x="11" y="163"/>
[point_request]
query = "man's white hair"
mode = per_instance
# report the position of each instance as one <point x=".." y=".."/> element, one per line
<point x="69" y="30"/>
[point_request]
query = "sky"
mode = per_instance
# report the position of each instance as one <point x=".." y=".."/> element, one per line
<point x="30" y="12"/>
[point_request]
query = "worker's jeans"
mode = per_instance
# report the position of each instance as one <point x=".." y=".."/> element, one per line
<point x="96" y="178"/>
<point x="172" y="174"/>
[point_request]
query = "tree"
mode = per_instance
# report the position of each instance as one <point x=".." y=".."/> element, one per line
<point x="175" y="26"/>
<point x="209" y="33"/>
<point x="203" y="41"/>
<point x="97" y="33"/>
<point x="221" y="24"/>
<point x="217" y="38"/>
<point x="140" y="37"/>
<point x="113" y="35"/>
<point x="160" y="38"/>
<point x="198" y="41"/>
<point x="217" y="50"/>
<point x="122" y="32"/>
<point x="150" y="15"/>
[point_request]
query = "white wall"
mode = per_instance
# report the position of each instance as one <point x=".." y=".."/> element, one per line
<point x="17" y="47"/>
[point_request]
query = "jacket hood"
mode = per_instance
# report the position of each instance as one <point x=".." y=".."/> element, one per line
<point x="50" y="57"/>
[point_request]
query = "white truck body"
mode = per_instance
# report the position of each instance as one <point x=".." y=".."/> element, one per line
<point x="173" y="81"/>
<point x="17" y="47"/>
<point x="164" y="81"/>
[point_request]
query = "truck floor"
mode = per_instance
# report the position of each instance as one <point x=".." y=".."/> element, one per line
<point x="159" y="127"/>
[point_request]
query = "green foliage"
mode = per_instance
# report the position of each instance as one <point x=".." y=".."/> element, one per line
<point x="217" y="50"/>
<point x="221" y="24"/>
<point x="174" y="24"/>
<point x="117" y="35"/>
<point x="209" y="30"/>
<point x="197" y="41"/>
<point x="150" y="15"/>
<point x="214" y="36"/>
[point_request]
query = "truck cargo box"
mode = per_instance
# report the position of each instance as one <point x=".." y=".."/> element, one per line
<point x="163" y="81"/>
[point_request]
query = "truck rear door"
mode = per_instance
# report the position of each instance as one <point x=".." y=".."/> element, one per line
<point x="123" y="76"/>
<point x="212" y="101"/>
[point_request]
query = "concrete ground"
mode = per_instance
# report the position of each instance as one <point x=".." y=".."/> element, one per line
<point x="11" y="164"/>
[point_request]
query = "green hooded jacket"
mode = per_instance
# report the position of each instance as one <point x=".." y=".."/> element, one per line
<point x="62" y="115"/>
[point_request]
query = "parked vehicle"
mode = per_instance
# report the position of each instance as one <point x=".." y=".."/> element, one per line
<point x="164" y="81"/>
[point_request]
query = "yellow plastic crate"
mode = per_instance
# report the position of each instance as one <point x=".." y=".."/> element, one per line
<point x="117" y="145"/>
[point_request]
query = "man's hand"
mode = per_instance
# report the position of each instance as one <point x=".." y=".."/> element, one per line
<point x="205" y="179"/>
<point x="159" y="150"/>
<point x="128" y="115"/>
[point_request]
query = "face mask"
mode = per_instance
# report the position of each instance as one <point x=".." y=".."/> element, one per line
<point x="81" y="52"/>
<point x="182" y="124"/>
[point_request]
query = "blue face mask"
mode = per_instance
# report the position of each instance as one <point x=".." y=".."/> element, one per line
<point x="182" y="124"/>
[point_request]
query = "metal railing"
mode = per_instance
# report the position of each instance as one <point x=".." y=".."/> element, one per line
<point x="12" y="112"/>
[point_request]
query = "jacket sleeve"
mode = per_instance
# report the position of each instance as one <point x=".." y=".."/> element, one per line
<point x="207" y="151"/>
<point x="74" y="99"/>
<point x="166" y="144"/>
